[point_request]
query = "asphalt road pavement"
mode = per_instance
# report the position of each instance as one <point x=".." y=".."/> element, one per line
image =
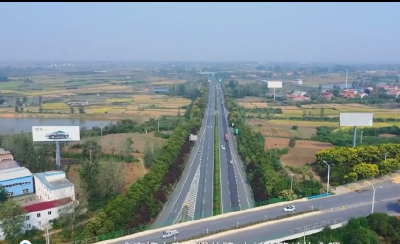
<point x="173" y="207"/>
<point x="355" y="204"/>
<point x="204" y="202"/>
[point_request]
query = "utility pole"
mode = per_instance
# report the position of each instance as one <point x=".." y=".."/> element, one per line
<point x="158" y="124"/>
<point x="329" y="172"/>
<point x="291" y="181"/>
<point x="90" y="155"/>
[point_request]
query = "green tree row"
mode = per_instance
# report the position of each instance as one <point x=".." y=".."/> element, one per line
<point x="217" y="185"/>
<point x="267" y="178"/>
<point x="145" y="198"/>
<point x="349" y="164"/>
<point x="375" y="229"/>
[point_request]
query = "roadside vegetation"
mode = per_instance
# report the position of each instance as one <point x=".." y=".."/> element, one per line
<point x="101" y="182"/>
<point x="377" y="228"/>
<point x="217" y="183"/>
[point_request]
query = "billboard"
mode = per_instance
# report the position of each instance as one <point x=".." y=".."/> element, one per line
<point x="356" y="119"/>
<point x="274" y="84"/>
<point x="56" y="133"/>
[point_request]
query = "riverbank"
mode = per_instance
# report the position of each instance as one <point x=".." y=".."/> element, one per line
<point x="65" y="116"/>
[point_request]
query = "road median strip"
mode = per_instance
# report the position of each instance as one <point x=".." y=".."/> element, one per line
<point x="217" y="185"/>
<point x="243" y="227"/>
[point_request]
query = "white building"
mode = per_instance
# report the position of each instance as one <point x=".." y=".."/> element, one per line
<point x="53" y="185"/>
<point x="297" y="82"/>
<point x="39" y="215"/>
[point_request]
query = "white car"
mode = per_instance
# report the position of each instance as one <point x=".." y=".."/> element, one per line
<point x="223" y="147"/>
<point x="169" y="233"/>
<point x="290" y="208"/>
<point x="231" y="161"/>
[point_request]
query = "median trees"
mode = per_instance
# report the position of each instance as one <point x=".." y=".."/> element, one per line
<point x="350" y="164"/>
<point x="144" y="199"/>
<point x="217" y="185"/>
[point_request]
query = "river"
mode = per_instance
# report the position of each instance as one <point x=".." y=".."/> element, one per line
<point x="16" y="125"/>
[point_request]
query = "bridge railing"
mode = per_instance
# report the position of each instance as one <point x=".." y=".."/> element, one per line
<point x="121" y="233"/>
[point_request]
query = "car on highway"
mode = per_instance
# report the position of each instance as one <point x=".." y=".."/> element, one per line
<point x="58" y="135"/>
<point x="223" y="147"/>
<point x="231" y="161"/>
<point x="169" y="233"/>
<point x="289" y="208"/>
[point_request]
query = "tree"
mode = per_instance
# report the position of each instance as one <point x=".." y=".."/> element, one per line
<point x="91" y="150"/>
<point x="69" y="215"/>
<point x="40" y="100"/>
<point x="40" y="110"/>
<point x="81" y="110"/>
<point x="13" y="220"/>
<point x="127" y="148"/>
<point x="148" y="157"/>
<point x="18" y="102"/>
<point x="72" y="110"/>
<point x="321" y="113"/>
<point x="3" y="194"/>
<point x="89" y="174"/>
<point x="111" y="178"/>
<point x="16" y="109"/>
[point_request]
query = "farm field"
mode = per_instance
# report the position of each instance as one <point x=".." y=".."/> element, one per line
<point x="269" y="129"/>
<point x="303" y="153"/>
<point x="143" y="106"/>
<point x="113" y="143"/>
<point x="314" y="124"/>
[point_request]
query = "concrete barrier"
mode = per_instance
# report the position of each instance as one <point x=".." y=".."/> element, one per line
<point x="221" y="216"/>
<point x="318" y="196"/>
<point x="236" y="231"/>
<point x="300" y="235"/>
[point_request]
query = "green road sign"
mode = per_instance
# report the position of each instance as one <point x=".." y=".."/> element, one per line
<point x="236" y="131"/>
<point x="220" y="80"/>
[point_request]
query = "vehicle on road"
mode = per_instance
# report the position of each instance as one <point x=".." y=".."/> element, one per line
<point x="289" y="208"/>
<point x="57" y="135"/>
<point x="226" y="137"/>
<point x="222" y="147"/>
<point x="169" y="233"/>
<point x="231" y="161"/>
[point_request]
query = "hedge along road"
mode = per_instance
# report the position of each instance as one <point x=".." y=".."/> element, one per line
<point x="173" y="207"/>
<point x="389" y="190"/>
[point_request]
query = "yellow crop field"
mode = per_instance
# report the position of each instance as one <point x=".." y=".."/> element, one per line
<point x="6" y="110"/>
<point x="119" y="100"/>
<point x="117" y="111"/>
<point x="54" y="106"/>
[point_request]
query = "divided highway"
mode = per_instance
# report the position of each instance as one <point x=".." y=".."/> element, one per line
<point x="195" y="189"/>
<point x="355" y="204"/>
<point x="235" y="191"/>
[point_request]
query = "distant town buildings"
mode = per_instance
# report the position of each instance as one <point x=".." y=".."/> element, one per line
<point x="43" y="195"/>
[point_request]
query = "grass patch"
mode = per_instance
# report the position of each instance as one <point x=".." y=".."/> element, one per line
<point x="217" y="186"/>
<point x="54" y="106"/>
<point x="10" y="85"/>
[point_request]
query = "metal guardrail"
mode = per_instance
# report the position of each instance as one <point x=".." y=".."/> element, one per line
<point x="319" y="225"/>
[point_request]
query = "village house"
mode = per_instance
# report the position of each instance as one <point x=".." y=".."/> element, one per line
<point x="299" y="93"/>
<point x="297" y="98"/>
<point x="394" y="93"/>
<point x="326" y="95"/>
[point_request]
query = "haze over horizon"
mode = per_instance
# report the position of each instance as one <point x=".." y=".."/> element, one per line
<point x="299" y="32"/>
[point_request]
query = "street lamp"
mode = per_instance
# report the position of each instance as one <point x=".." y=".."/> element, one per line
<point x="291" y="182"/>
<point x="329" y="172"/>
<point x="373" y="196"/>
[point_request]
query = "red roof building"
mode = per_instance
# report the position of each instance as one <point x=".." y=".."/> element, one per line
<point x="47" y="205"/>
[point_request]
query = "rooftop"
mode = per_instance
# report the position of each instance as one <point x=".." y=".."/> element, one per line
<point x="27" y="199"/>
<point x="14" y="173"/>
<point x="8" y="164"/>
<point x="3" y="151"/>
<point x="55" y="184"/>
<point x="46" y="205"/>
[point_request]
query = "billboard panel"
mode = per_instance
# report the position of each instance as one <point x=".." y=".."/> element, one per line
<point x="356" y="119"/>
<point x="274" y="84"/>
<point x="56" y="133"/>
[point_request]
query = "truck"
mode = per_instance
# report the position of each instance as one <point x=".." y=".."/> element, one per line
<point x="226" y="137"/>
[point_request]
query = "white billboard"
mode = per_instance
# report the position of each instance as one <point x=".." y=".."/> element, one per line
<point x="274" y="84"/>
<point x="56" y="133"/>
<point x="356" y="119"/>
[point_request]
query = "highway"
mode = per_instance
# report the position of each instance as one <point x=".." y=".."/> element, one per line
<point x="235" y="191"/>
<point x="204" y="202"/>
<point x="187" y="189"/>
<point x="355" y="204"/>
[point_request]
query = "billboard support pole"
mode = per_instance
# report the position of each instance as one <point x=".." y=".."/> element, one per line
<point x="58" y="155"/>
<point x="354" y="136"/>
<point x="274" y="93"/>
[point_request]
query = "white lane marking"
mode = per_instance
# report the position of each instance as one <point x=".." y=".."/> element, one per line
<point x="192" y="196"/>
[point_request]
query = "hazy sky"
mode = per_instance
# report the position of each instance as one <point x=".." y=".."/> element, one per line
<point x="310" y="32"/>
